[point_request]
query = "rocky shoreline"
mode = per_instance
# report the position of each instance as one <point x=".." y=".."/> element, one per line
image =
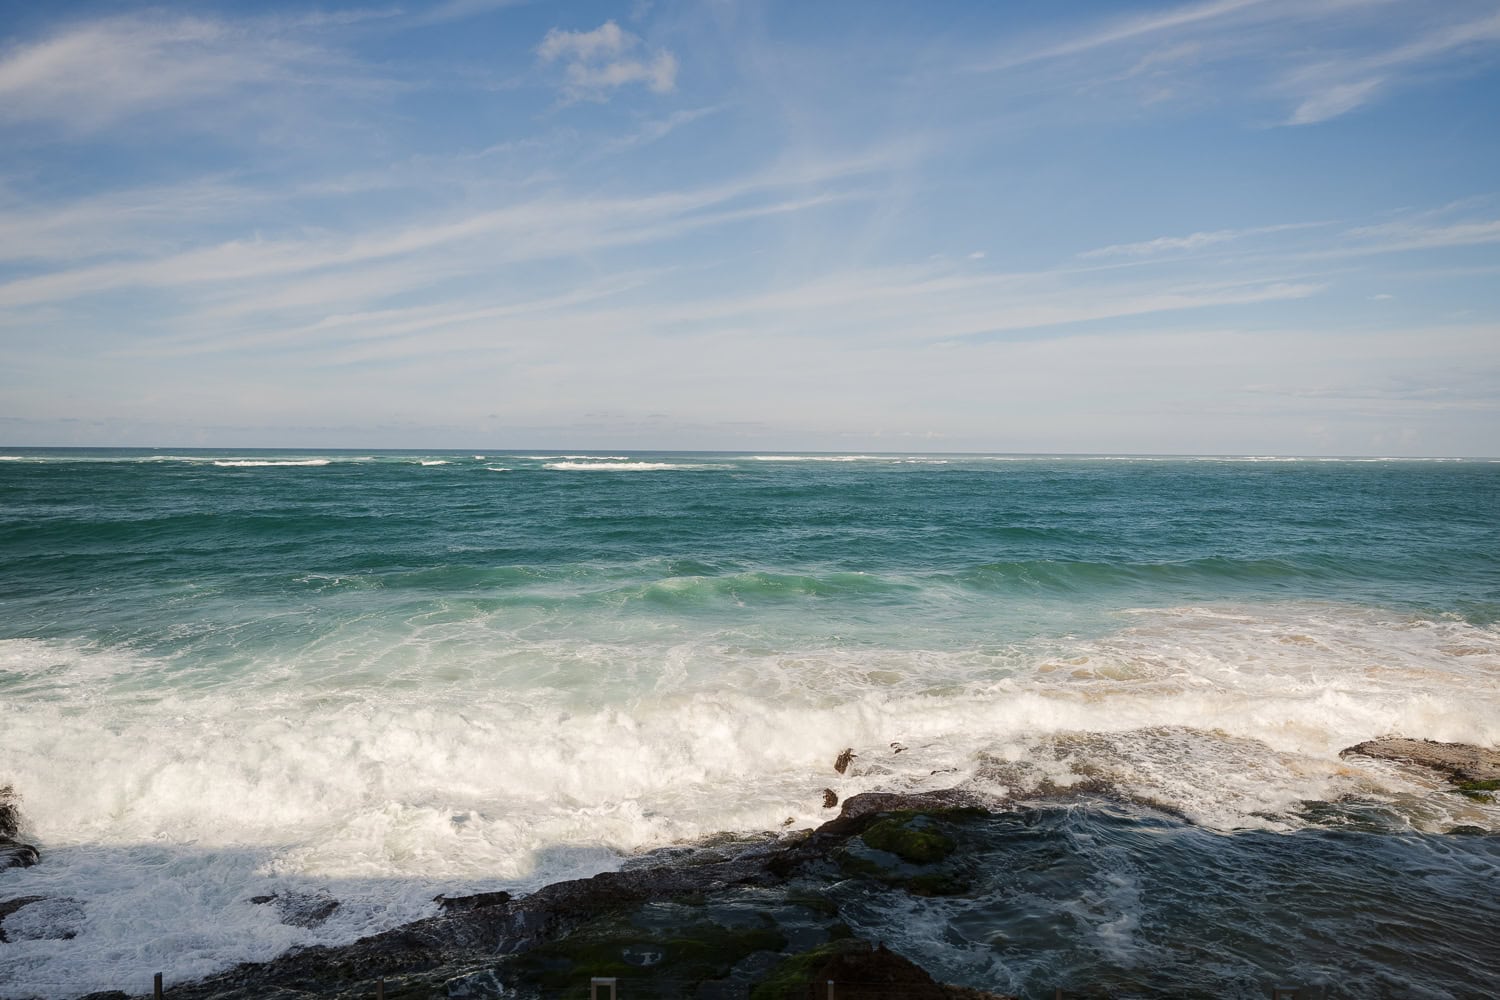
<point x="746" y="917"/>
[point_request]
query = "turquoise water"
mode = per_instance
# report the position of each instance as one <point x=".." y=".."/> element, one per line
<point x="380" y="672"/>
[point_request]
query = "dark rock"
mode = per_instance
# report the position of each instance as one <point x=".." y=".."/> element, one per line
<point x="300" y="909"/>
<point x="1460" y="762"/>
<point x="722" y="914"/>
<point x="858" y="972"/>
<point x="1466" y="830"/>
<point x="463" y="904"/>
<point x="14" y="854"/>
<point x="9" y="906"/>
<point x="908" y="840"/>
<point x="830" y="798"/>
<point x="897" y="747"/>
<point x="10" y="816"/>
<point x="844" y="760"/>
<point x="40" y="918"/>
<point x="859" y="809"/>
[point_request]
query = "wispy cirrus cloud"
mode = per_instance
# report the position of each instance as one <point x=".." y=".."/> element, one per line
<point x="1334" y="87"/>
<point x="599" y="61"/>
<point x="540" y="227"/>
<point x="1324" y="58"/>
<point x="1147" y="28"/>
<point x="1191" y="242"/>
<point x="97" y="73"/>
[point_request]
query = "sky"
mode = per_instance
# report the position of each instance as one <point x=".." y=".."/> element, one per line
<point x="1211" y="227"/>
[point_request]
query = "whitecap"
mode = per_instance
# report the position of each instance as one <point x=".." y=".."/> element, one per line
<point x="251" y="463"/>
<point x="622" y="466"/>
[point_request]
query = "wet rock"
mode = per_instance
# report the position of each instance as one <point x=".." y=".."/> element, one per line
<point x="688" y="948"/>
<point x="300" y="909"/>
<point x="830" y="798"/>
<point x="9" y="906"/>
<point x="1460" y="762"/>
<point x="858" y="972"/>
<point x="722" y="914"/>
<point x="10" y="815"/>
<point x="859" y="809"/>
<point x="39" y="918"/>
<point x="897" y="747"/>
<point x="13" y="853"/>
<point x="463" y="904"/>
<point x="908" y="840"/>
<point x="844" y="760"/>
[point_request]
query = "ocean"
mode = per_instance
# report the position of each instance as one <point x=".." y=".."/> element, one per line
<point x="377" y="676"/>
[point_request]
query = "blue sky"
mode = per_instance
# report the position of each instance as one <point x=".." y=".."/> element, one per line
<point x="1227" y="226"/>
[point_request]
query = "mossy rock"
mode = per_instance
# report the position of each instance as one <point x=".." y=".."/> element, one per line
<point x="793" y="975"/>
<point x="909" y="840"/>
<point x="651" y="962"/>
<point x="1467" y="830"/>
<point x="858" y="971"/>
<point x="1479" y="791"/>
<point x="815" y="901"/>
<point x="938" y="884"/>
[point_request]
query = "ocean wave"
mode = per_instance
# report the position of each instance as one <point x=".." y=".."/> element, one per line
<point x="384" y="763"/>
<point x="819" y="458"/>
<point x="625" y="466"/>
<point x="253" y="463"/>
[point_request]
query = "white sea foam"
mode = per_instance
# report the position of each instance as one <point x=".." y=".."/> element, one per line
<point x="594" y="458"/>
<point x="498" y="468"/>
<point x="252" y="463"/>
<point x="819" y="458"/>
<point x="442" y="770"/>
<point x="623" y="466"/>
<point x="433" y="461"/>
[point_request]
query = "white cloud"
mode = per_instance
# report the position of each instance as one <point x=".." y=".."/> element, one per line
<point x="606" y="40"/>
<point x="94" y="74"/>
<point x="539" y="228"/>
<point x="1401" y="236"/>
<point x="1193" y="241"/>
<point x="1337" y="100"/>
<point x="654" y="130"/>
<point x="596" y="61"/>
<point x="1133" y="29"/>
<point x="1336" y="87"/>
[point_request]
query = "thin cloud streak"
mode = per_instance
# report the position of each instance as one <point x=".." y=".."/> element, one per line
<point x="541" y="229"/>
<point x="93" y="75"/>
<point x="1193" y="241"/>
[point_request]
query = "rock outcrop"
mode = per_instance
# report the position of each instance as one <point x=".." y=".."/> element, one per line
<point x="300" y="909"/>
<point x="725" y="915"/>
<point x="40" y="918"/>
<point x="13" y="853"/>
<point x="1460" y="762"/>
